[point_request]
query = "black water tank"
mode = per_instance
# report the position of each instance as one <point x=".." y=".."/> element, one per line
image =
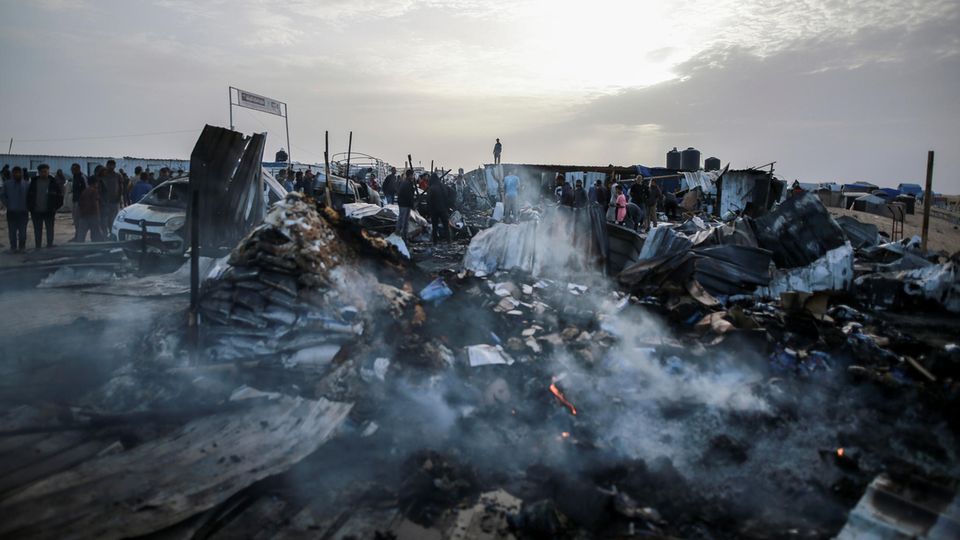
<point x="673" y="159"/>
<point x="690" y="159"/>
<point x="711" y="164"/>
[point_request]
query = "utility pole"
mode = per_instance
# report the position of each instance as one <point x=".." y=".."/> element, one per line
<point x="326" y="168"/>
<point x="927" y="202"/>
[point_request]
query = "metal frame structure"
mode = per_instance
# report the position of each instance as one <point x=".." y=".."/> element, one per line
<point x="234" y="91"/>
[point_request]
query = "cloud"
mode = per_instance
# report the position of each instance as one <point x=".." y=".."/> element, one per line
<point x="828" y="88"/>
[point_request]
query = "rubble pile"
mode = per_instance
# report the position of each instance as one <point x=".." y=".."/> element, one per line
<point x="737" y="381"/>
<point x="282" y="290"/>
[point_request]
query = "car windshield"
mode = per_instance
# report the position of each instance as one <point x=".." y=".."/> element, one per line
<point x="172" y="194"/>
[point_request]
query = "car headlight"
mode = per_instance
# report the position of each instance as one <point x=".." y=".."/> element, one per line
<point x="121" y="215"/>
<point x="174" y="224"/>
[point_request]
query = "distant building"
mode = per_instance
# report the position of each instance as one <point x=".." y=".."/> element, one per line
<point x="89" y="163"/>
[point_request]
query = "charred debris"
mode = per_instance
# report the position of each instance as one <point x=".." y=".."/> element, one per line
<point x="781" y="375"/>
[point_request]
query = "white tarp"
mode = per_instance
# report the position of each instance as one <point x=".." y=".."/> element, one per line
<point x="529" y="246"/>
<point x="704" y="180"/>
<point x="362" y="210"/>
<point x="487" y="355"/>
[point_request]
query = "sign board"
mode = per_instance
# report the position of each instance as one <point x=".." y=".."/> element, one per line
<point x="260" y="103"/>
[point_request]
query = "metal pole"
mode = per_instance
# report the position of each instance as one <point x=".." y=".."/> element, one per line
<point x="194" y="264"/>
<point x="230" y="100"/>
<point x="927" y="202"/>
<point x="326" y="167"/>
<point x="286" y="120"/>
<point x="10" y="148"/>
<point x="349" y="148"/>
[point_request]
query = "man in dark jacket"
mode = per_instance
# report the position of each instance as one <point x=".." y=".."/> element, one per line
<point x="78" y="182"/>
<point x="88" y="212"/>
<point x="579" y="195"/>
<point x="439" y="208"/>
<point x="44" y="198"/>
<point x="111" y="195"/>
<point x="390" y="186"/>
<point x="14" y="198"/>
<point x="650" y="204"/>
<point x="639" y="192"/>
<point x="405" y="200"/>
<point x="566" y="195"/>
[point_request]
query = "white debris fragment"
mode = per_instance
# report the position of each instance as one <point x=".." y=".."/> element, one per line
<point x="487" y="355"/>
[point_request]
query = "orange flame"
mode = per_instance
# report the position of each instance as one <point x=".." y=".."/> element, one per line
<point x="556" y="392"/>
<point x="565" y="434"/>
<point x="839" y="452"/>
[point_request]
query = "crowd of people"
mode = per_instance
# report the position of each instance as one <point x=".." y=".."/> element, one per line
<point x="635" y="207"/>
<point x="97" y="199"/>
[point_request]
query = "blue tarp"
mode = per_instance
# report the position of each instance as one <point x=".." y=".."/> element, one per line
<point x="886" y="193"/>
<point x="911" y="189"/>
<point x="654" y="171"/>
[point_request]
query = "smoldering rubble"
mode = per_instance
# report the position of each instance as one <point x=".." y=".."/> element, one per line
<point x="765" y="377"/>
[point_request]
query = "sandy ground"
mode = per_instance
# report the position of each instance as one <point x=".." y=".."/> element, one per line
<point x="63" y="233"/>
<point x="944" y="235"/>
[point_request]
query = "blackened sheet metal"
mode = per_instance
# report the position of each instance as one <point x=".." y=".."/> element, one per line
<point x="798" y="232"/>
<point x="720" y="270"/>
<point x="860" y="234"/>
<point x="225" y="171"/>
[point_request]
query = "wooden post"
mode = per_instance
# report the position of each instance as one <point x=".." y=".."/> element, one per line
<point x="927" y="202"/>
<point x="349" y="149"/>
<point x="326" y="168"/>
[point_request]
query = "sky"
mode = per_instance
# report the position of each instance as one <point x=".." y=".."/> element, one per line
<point x="830" y="90"/>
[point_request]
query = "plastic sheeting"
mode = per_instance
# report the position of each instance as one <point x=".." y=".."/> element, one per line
<point x="565" y="240"/>
<point x="700" y="179"/>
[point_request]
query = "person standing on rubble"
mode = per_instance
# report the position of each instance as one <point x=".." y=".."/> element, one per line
<point x="44" y="198"/>
<point x="566" y="195"/>
<point x="497" y="148"/>
<point x="511" y="197"/>
<point x="390" y="186"/>
<point x="650" y="204"/>
<point x="14" y="199"/>
<point x="405" y="200"/>
<point x="621" y="205"/>
<point x="670" y="205"/>
<point x="439" y="208"/>
<point x="579" y="195"/>
<point x="634" y="216"/>
<point x="111" y="194"/>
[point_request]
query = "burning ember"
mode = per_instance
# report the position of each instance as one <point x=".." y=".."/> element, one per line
<point x="555" y="390"/>
<point x="839" y="452"/>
